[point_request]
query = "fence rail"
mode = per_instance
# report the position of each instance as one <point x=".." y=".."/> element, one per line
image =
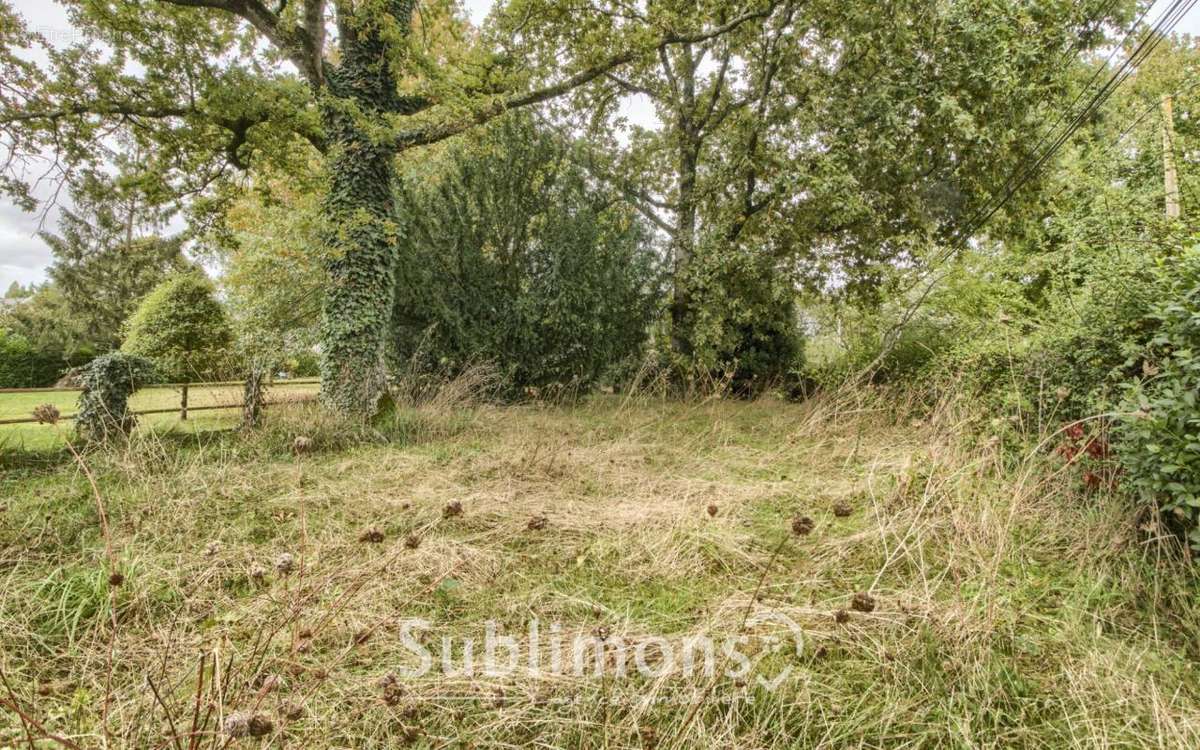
<point x="176" y="386"/>
<point x="184" y="407"/>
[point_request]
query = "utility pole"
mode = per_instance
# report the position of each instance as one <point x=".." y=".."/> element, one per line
<point x="1170" y="177"/>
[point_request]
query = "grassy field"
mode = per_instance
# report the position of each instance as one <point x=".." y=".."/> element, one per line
<point x="41" y="437"/>
<point x="947" y="594"/>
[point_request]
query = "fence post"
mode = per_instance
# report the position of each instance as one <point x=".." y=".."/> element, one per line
<point x="183" y="404"/>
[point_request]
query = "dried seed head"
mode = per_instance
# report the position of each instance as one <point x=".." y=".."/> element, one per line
<point x="212" y="548"/>
<point x="602" y="633"/>
<point x="389" y="684"/>
<point x="712" y="510"/>
<point x="452" y="509"/>
<point x="1062" y="393"/>
<point x="237" y="724"/>
<point x="537" y="523"/>
<point x="260" y="725"/>
<point x="649" y="736"/>
<point x="362" y="636"/>
<point x="258" y="572"/>
<point x="371" y="536"/>
<point x="291" y="710"/>
<point x="841" y="617"/>
<point x="802" y="525"/>
<point x="862" y="602"/>
<point x="302" y="445"/>
<point x="285" y="563"/>
<point x="842" y="510"/>
<point x="412" y="541"/>
<point x="115" y="579"/>
<point x="47" y="414"/>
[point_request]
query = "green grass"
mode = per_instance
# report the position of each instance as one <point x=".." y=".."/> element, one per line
<point x="37" y="437"/>
<point x="1011" y="609"/>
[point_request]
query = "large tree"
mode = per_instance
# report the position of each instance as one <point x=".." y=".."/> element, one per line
<point x="838" y="136"/>
<point x="105" y="260"/>
<point x="208" y="87"/>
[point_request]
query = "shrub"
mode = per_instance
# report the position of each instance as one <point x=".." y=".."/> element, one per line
<point x="743" y="322"/>
<point x="515" y="259"/>
<point x="23" y="366"/>
<point x="182" y="328"/>
<point x="108" y="382"/>
<point x="1157" y="433"/>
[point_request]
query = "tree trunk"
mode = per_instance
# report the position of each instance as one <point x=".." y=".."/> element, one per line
<point x="361" y="227"/>
<point x="683" y="250"/>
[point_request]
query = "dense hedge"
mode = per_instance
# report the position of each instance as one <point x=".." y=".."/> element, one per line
<point x="513" y="257"/>
<point x="22" y="366"/>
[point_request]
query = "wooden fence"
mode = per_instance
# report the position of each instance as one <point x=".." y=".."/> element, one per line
<point x="183" y="409"/>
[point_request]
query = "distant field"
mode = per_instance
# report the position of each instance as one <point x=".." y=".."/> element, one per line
<point x="39" y="436"/>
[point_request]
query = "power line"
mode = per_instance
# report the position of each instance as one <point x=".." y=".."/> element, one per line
<point x="1026" y="171"/>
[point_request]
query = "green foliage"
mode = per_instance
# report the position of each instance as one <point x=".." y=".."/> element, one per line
<point x="271" y="250"/>
<point x="182" y="328"/>
<point x="108" y="382"/>
<point x="514" y="258"/>
<point x="1065" y="357"/>
<point x="44" y="318"/>
<point x="23" y="366"/>
<point x="1157" y="433"/>
<point x="742" y="319"/>
<point x="103" y="264"/>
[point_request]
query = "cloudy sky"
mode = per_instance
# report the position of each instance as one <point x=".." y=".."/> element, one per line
<point x="23" y="256"/>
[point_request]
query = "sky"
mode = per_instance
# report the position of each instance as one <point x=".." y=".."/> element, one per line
<point x="24" y="256"/>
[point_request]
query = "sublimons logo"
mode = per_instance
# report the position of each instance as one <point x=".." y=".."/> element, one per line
<point x="552" y="650"/>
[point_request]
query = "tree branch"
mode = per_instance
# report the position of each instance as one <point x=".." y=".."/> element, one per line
<point x="440" y="131"/>
<point x="300" y="45"/>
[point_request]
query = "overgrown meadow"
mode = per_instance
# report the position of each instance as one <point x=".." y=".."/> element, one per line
<point x="949" y="593"/>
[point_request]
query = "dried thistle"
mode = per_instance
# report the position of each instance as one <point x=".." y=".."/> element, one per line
<point x="452" y="509"/>
<point x="46" y="414"/>
<point x="237" y="725"/>
<point x="712" y="510"/>
<point x="537" y="523"/>
<point x="389" y="684"/>
<point x="371" y="536"/>
<point x="244" y="724"/>
<point x="412" y="541"/>
<point x="291" y="710"/>
<point x="862" y="602"/>
<point x="285" y="563"/>
<point x="302" y="445"/>
<point x="802" y="525"/>
<point x="843" y="510"/>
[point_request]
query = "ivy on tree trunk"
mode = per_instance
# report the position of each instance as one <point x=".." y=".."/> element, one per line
<point x="360" y="216"/>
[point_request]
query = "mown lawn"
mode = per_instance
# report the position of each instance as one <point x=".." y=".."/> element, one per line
<point x="947" y="595"/>
<point x="42" y="437"/>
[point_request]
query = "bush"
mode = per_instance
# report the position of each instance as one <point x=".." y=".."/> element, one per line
<point x="22" y="366"/>
<point x="743" y="321"/>
<point x="182" y="328"/>
<point x="1063" y="356"/>
<point x="1157" y="433"/>
<point x="108" y="382"/>
<point x="515" y="259"/>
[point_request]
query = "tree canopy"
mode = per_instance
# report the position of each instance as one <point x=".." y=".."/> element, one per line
<point x="825" y="142"/>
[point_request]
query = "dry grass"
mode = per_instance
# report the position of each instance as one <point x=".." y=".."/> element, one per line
<point x="1008" y="609"/>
